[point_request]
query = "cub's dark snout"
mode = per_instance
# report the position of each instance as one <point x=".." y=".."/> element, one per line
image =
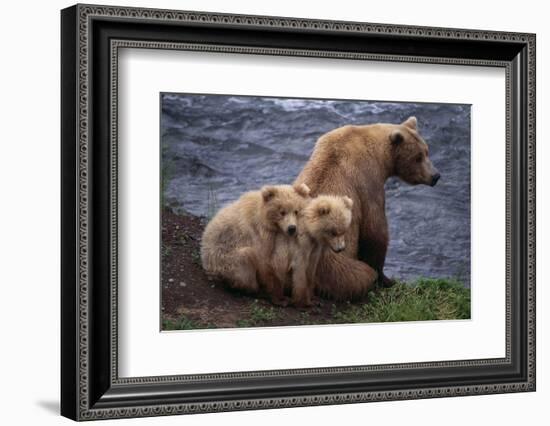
<point x="435" y="178"/>
<point x="291" y="229"/>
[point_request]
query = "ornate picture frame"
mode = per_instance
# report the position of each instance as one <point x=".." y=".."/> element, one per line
<point x="91" y="37"/>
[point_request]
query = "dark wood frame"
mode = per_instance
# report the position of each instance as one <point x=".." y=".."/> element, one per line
<point x="90" y="386"/>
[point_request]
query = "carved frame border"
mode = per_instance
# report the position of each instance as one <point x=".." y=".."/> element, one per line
<point x="85" y="14"/>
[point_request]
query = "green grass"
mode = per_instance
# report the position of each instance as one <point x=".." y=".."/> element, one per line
<point x="166" y="251"/>
<point x="259" y="315"/>
<point x="426" y="299"/>
<point x="196" y="257"/>
<point x="184" y="323"/>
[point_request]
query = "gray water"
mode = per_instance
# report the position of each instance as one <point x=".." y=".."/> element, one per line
<point x="215" y="147"/>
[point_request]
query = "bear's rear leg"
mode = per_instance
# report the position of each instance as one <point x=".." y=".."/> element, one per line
<point x="243" y="274"/>
<point x="343" y="278"/>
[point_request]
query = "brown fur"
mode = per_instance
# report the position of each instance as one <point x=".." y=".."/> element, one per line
<point x="323" y="223"/>
<point x="323" y="226"/>
<point x="356" y="161"/>
<point x="239" y="240"/>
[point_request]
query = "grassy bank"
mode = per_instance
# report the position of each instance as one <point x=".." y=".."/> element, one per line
<point x="426" y="299"/>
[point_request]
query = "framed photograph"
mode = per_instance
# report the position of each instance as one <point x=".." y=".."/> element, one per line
<point x="263" y="212"/>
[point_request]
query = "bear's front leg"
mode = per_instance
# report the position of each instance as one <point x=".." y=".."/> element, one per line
<point x="373" y="246"/>
<point x="301" y="290"/>
<point x="273" y="286"/>
<point x="385" y="281"/>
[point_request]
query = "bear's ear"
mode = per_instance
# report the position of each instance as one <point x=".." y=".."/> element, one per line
<point x="268" y="192"/>
<point x="323" y="208"/>
<point x="396" y="137"/>
<point x="410" y="123"/>
<point x="302" y="190"/>
<point x="348" y="202"/>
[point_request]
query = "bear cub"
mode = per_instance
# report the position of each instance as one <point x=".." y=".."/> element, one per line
<point x="323" y="224"/>
<point x="240" y="238"/>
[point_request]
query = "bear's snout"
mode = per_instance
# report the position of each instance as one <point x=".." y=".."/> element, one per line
<point x="338" y="245"/>
<point x="291" y="229"/>
<point x="435" y="178"/>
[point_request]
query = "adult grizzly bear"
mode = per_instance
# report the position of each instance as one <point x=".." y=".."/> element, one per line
<point x="356" y="161"/>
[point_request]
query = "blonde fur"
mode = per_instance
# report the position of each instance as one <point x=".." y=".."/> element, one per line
<point x="323" y="225"/>
<point x="239" y="240"/>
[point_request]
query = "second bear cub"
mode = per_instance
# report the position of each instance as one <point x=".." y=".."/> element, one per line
<point x="322" y="225"/>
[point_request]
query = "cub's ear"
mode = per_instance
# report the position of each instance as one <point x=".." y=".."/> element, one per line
<point x="396" y="137"/>
<point x="302" y="190"/>
<point x="348" y="202"/>
<point x="323" y="208"/>
<point x="410" y="123"/>
<point x="268" y="192"/>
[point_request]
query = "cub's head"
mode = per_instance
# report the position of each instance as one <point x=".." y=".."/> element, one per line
<point x="410" y="154"/>
<point x="282" y="204"/>
<point x="327" y="219"/>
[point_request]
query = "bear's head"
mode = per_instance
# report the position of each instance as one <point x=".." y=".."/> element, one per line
<point x="327" y="218"/>
<point x="410" y="155"/>
<point x="282" y="204"/>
